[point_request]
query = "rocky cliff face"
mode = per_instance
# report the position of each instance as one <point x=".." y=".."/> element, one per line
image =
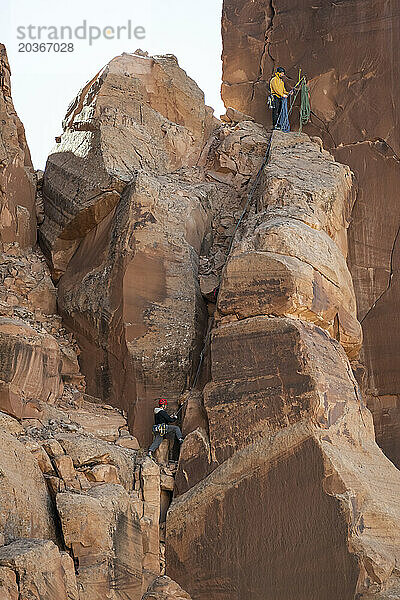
<point x="168" y="238"/>
<point x="144" y="219"/>
<point x="17" y="183"/>
<point x="350" y="53"/>
<point x="82" y="510"/>
<point x="291" y="444"/>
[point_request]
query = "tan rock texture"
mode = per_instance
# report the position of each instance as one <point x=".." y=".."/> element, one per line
<point x="290" y="259"/>
<point x="289" y="432"/>
<point x="350" y="53"/>
<point x="140" y="229"/>
<point x="147" y="285"/>
<point x="26" y="510"/>
<point x="106" y="543"/>
<point x="281" y="491"/>
<point x="30" y="369"/>
<point x="17" y="186"/>
<point x="36" y="569"/>
<point x="121" y="122"/>
<point x="163" y="588"/>
<point x="70" y="472"/>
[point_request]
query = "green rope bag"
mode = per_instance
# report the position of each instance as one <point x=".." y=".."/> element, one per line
<point x="305" y="109"/>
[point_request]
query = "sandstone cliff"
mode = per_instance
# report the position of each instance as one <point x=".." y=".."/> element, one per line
<point x="17" y="187"/>
<point x="291" y="444"/>
<point x="82" y="511"/>
<point x="169" y="258"/>
<point x="350" y="53"/>
<point x="140" y="228"/>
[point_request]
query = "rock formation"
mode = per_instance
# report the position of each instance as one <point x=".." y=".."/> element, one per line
<point x="295" y="477"/>
<point x="81" y="509"/>
<point x="139" y="229"/>
<point x="207" y="262"/>
<point x="350" y="54"/>
<point x="17" y="184"/>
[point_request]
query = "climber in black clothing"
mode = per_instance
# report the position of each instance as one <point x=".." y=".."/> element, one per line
<point x="162" y="426"/>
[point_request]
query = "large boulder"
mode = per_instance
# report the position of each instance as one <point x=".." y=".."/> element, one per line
<point x="17" y="186"/>
<point x="26" y="509"/>
<point x="106" y="544"/>
<point x="137" y="113"/>
<point x="303" y="503"/>
<point x="353" y="70"/>
<point x="30" y="370"/>
<point x="36" y="569"/>
<point x="290" y="259"/>
<point x="280" y="520"/>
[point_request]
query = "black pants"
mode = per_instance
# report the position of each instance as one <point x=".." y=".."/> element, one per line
<point x="158" y="438"/>
<point x="276" y="110"/>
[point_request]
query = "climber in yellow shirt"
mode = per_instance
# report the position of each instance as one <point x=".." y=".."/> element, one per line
<point x="278" y="91"/>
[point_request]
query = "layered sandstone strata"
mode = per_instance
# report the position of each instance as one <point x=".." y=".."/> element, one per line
<point x="17" y="185"/>
<point x="349" y="52"/>
<point x="299" y="500"/>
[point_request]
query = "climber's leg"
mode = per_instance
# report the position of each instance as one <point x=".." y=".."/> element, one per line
<point x="176" y="430"/>
<point x="156" y="443"/>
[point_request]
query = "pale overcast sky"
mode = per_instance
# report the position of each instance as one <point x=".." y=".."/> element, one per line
<point x="43" y="84"/>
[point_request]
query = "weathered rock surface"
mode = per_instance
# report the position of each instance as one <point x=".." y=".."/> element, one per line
<point x="112" y="531"/>
<point x="281" y="491"/>
<point x="30" y="369"/>
<point x="147" y="286"/>
<point x="123" y="121"/>
<point x="106" y="543"/>
<point x="290" y="259"/>
<point x="350" y="54"/>
<point x="289" y="433"/>
<point x="291" y="520"/>
<point x="86" y="451"/>
<point x="36" y="569"/>
<point x="26" y="282"/>
<point x="26" y="509"/>
<point x="17" y="186"/>
<point x="164" y="588"/>
<point x="133" y="275"/>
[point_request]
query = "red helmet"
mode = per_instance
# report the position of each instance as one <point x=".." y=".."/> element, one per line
<point x="162" y="402"/>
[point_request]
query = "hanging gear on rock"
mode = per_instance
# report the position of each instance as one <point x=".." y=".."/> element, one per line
<point x="163" y="426"/>
<point x="305" y="109"/>
<point x="278" y="101"/>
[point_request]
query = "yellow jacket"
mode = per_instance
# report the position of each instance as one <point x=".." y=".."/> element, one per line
<point x="277" y="86"/>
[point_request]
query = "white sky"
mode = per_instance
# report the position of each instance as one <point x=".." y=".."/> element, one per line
<point x="43" y="84"/>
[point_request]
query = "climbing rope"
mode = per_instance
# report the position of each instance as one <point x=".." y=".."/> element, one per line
<point x="305" y="108"/>
<point x="201" y="359"/>
<point x="301" y="86"/>
<point x="244" y="211"/>
<point x="252" y="192"/>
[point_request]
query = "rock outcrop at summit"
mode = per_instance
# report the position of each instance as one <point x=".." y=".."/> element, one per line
<point x="138" y="113"/>
<point x="350" y="53"/>
<point x="299" y="500"/>
<point x="17" y="181"/>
